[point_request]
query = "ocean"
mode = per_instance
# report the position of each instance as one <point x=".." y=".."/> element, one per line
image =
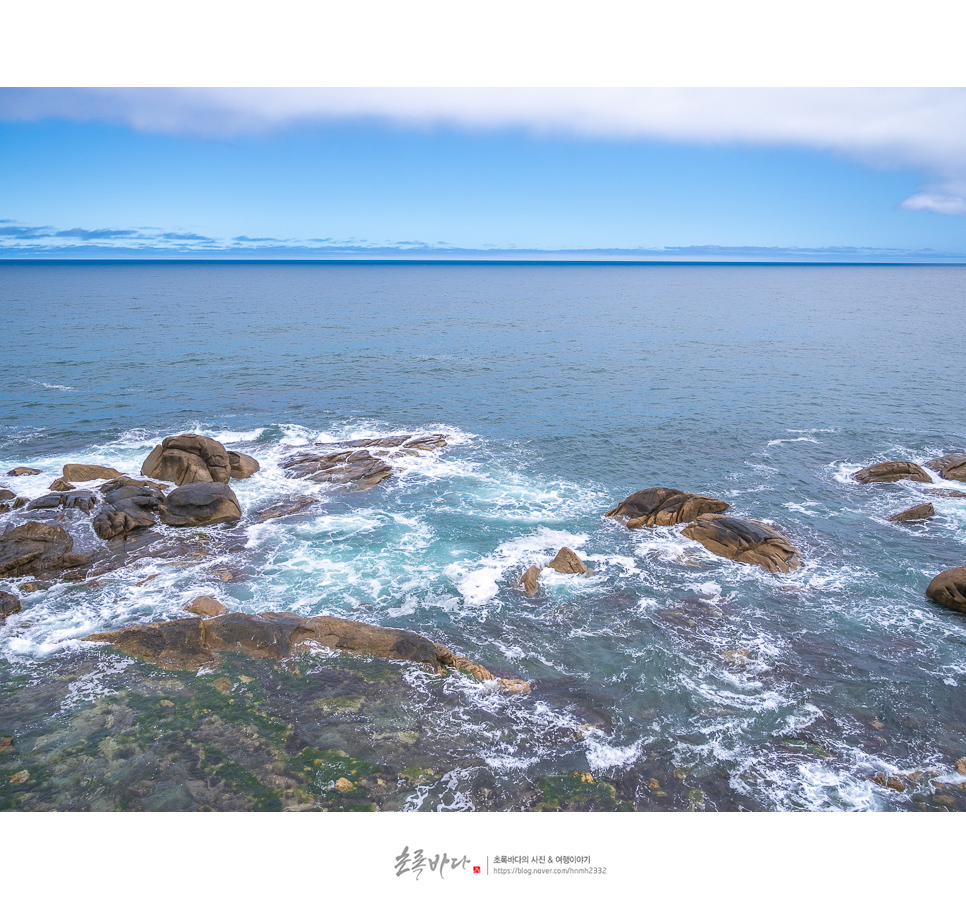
<point x="667" y="678"/>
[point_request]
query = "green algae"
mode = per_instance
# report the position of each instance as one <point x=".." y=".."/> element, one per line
<point x="576" y="792"/>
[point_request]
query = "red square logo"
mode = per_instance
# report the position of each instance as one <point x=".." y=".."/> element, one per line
<point x="476" y="870"/>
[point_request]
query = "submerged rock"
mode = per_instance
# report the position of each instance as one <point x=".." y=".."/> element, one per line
<point x="193" y="643"/>
<point x="127" y="508"/>
<point x="661" y="507"/>
<point x="283" y="509"/>
<point x="23" y="471"/>
<point x="745" y="541"/>
<point x="200" y="504"/>
<point x="916" y="513"/>
<point x="892" y="471"/>
<point x="950" y="466"/>
<point x="84" y="472"/>
<point x="41" y="550"/>
<point x="567" y="562"/>
<point x="188" y="458"/>
<point x="949" y="589"/>
<point x="9" y="605"/>
<point x="241" y="466"/>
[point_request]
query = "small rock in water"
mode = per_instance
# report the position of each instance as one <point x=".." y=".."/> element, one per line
<point x="917" y="513"/>
<point x="344" y="785"/>
<point x="241" y="466"/>
<point x="283" y="509"/>
<point x="529" y="579"/>
<point x="892" y="471"/>
<point x="206" y="606"/>
<point x="23" y="471"/>
<point x="946" y="493"/>
<point x="6" y="495"/>
<point x="5" y="743"/>
<point x="20" y="778"/>
<point x="948" y="589"/>
<point x="61" y="485"/>
<point x="737" y="655"/>
<point x="567" y="562"/>
<point x="961" y="765"/>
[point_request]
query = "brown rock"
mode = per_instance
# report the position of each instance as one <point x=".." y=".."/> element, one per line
<point x="567" y="562"/>
<point x="241" y="466"/>
<point x="127" y="508"/>
<point x="6" y="495"/>
<point x="945" y="493"/>
<point x="18" y="779"/>
<point x="950" y="466"/>
<point x="344" y="785"/>
<point x="37" y="549"/>
<point x="346" y="467"/>
<point x="749" y="542"/>
<point x="20" y="501"/>
<point x="737" y="655"/>
<point x="188" y="458"/>
<point x="206" y="606"/>
<point x="83" y="472"/>
<point x="80" y="499"/>
<point x="916" y="513"/>
<point x="5" y="742"/>
<point x="200" y="504"/>
<point x="195" y="642"/>
<point x="892" y="471"/>
<point x="123" y="482"/>
<point x="949" y="589"/>
<point x="61" y="485"/>
<point x="661" y="507"/>
<point x="528" y="580"/>
<point x="23" y="471"/>
<point x="9" y="605"/>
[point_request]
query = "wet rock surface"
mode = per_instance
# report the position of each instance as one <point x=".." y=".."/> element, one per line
<point x="79" y="499"/>
<point x="127" y="508"/>
<point x="84" y="472"/>
<point x="949" y="589"/>
<point x="206" y="606"/>
<point x="9" y="605"/>
<point x="917" y="513"/>
<point x="241" y="466"/>
<point x="567" y="562"/>
<point x="892" y="471"/>
<point x="41" y="550"/>
<point x="660" y="507"/>
<point x="23" y="471"/>
<point x="950" y="466"/>
<point x="750" y="542"/>
<point x="286" y="508"/>
<point x="200" y="504"/>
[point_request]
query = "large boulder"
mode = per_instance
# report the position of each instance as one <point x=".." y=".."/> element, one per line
<point x="949" y="589"/>
<point x="200" y="504"/>
<point x="950" y="466"/>
<point x="187" y="458"/>
<point x="84" y="472"/>
<point x="241" y="466"/>
<point x="9" y="605"/>
<point x="127" y="508"/>
<point x="196" y="642"/>
<point x="660" y="507"/>
<point x="892" y="471"/>
<point x="750" y="542"/>
<point x="41" y="550"/>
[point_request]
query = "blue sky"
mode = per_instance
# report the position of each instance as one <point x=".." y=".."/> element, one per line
<point x="749" y="173"/>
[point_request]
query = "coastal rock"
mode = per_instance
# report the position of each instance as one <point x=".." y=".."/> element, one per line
<point x="61" y="485"/>
<point x="188" y="458"/>
<point x="283" y="509"/>
<point x="945" y="493"/>
<point x="23" y="471"/>
<point x="916" y="513"/>
<point x="124" y="481"/>
<point x="892" y="471"/>
<point x="567" y="562"/>
<point x="242" y="466"/>
<point x="9" y="605"/>
<point x="749" y="542"/>
<point x="206" y="606"/>
<point x="949" y="589"/>
<point x="6" y="495"/>
<point x="80" y="499"/>
<point x="41" y="550"/>
<point x="84" y="472"/>
<point x="127" y="508"/>
<point x="346" y="467"/>
<point x="528" y="580"/>
<point x="661" y="507"/>
<point x="950" y="466"/>
<point x="200" y="504"/>
<point x="195" y="642"/>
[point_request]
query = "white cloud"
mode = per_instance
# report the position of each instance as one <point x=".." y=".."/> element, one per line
<point x="919" y="129"/>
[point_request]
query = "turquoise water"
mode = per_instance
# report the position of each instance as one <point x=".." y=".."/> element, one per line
<point x="560" y="389"/>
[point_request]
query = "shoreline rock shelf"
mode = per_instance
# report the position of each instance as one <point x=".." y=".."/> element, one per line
<point x="195" y="642"/>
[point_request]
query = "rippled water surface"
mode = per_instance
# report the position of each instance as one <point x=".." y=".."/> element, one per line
<point x="668" y="678"/>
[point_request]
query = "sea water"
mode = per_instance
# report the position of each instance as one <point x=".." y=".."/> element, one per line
<point x="560" y="389"/>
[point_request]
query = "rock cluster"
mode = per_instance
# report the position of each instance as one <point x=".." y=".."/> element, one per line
<point x="566" y="562"/>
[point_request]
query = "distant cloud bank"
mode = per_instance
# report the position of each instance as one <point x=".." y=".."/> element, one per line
<point x="919" y="129"/>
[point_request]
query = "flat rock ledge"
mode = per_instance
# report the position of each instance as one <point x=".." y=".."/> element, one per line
<point x="948" y="589"/>
<point x="892" y="471"/>
<point x="660" y="507"/>
<point x="195" y="642"/>
<point x="749" y="542"/>
<point x="950" y="466"/>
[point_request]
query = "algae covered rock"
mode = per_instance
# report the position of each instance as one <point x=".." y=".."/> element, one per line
<point x="749" y="542"/>
<point x="659" y="507"/>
